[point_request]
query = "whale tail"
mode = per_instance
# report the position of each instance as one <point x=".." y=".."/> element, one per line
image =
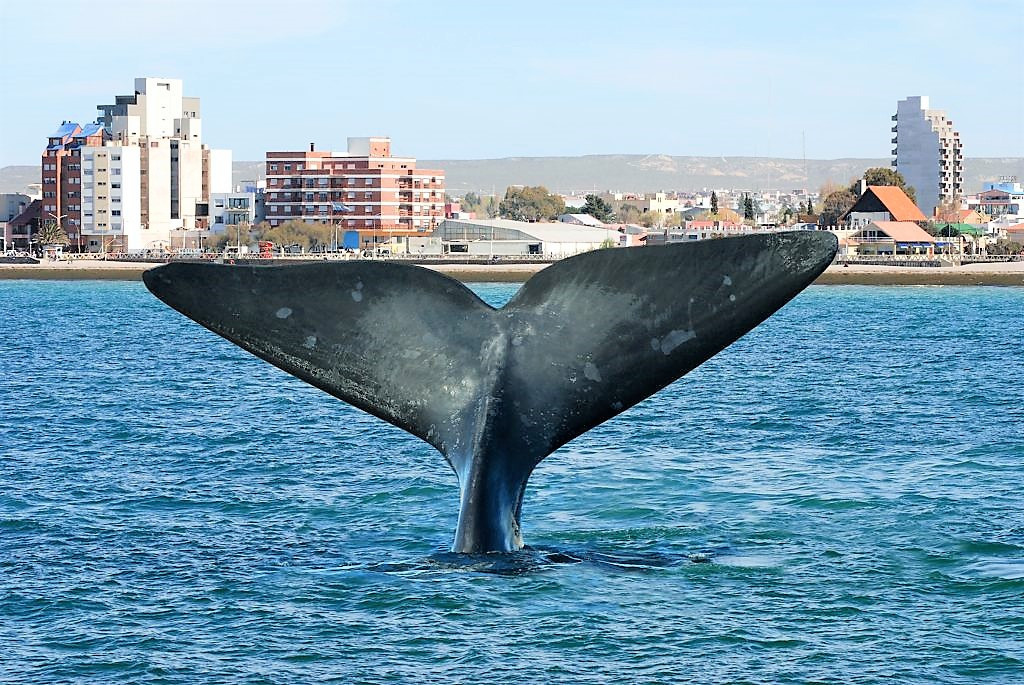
<point x="497" y="390"/>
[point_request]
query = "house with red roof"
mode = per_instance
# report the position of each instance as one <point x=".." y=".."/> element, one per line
<point x="1015" y="233"/>
<point x="882" y="203"/>
<point x="890" y="238"/>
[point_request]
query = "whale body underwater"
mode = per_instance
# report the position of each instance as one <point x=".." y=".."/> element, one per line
<point x="497" y="390"/>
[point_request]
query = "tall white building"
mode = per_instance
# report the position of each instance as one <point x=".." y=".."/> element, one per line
<point x="928" y="153"/>
<point x="167" y="174"/>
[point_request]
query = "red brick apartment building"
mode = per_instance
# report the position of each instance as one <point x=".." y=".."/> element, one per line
<point x="62" y="177"/>
<point x="364" y="189"/>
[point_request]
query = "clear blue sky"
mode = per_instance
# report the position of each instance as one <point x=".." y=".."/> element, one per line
<point x="467" y="80"/>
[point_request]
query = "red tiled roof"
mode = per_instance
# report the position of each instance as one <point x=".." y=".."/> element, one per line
<point x="896" y="202"/>
<point x="1015" y="228"/>
<point x="904" y="231"/>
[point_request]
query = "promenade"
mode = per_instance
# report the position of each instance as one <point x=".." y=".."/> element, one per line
<point x="992" y="273"/>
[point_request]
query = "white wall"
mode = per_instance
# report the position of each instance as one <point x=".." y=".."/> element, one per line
<point x="219" y="170"/>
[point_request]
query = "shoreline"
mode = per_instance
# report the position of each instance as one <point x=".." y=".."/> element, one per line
<point x="994" y="274"/>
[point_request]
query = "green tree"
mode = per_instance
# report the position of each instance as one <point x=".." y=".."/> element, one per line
<point x="884" y="176"/>
<point x="748" y="208"/>
<point x="835" y="205"/>
<point x="471" y="203"/>
<point x="597" y="208"/>
<point x="629" y="214"/>
<point x="236" y="234"/>
<point x="531" y="203"/>
<point x="810" y="206"/>
<point x="714" y="202"/>
<point x="490" y="207"/>
<point x="52" y="234"/>
<point x="310" y="237"/>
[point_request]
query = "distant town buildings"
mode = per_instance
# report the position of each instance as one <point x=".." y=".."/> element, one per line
<point x="140" y="177"/>
<point x="928" y="153"/>
<point x="364" y="188"/>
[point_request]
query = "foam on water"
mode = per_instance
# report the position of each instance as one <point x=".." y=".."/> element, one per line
<point x="836" y="497"/>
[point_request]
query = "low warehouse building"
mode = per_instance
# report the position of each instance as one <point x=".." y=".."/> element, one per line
<point x="507" y="237"/>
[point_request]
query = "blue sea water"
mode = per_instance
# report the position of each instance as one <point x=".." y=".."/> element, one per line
<point x="835" y="498"/>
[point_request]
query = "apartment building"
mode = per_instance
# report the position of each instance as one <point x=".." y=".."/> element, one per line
<point x="62" y="177"/>
<point x="928" y="153"/>
<point x="364" y="188"/>
<point x="140" y="177"/>
<point x="178" y="173"/>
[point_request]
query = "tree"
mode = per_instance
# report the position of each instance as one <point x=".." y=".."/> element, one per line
<point x="530" y="203"/>
<point x="650" y="219"/>
<point x="629" y="214"/>
<point x="52" y="234"/>
<point x="597" y="208"/>
<point x="726" y="215"/>
<point x="884" y="176"/>
<point x="714" y="202"/>
<point x="235" y="234"/>
<point x="748" y="208"/>
<point x="835" y="205"/>
<point x="309" y="236"/>
<point x="810" y="206"/>
<point x="490" y="207"/>
<point x="471" y="202"/>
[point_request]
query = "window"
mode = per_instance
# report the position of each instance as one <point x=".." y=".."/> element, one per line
<point x="351" y="222"/>
<point x="115" y="185"/>
<point x="367" y="196"/>
<point x="287" y="167"/>
<point x="115" y="212"/>
<point x="369" y="181"/>
<point x="273" y="167"/>
<point x="273" y="181"/>
<point x="299" y="167"/>
<point x="115" y="172"/>
<point x="116" y="158"/>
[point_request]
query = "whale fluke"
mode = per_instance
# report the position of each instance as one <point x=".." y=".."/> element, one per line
<point x="496" y="391"/>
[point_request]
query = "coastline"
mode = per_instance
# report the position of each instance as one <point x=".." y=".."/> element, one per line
<point x="997" y="274"/>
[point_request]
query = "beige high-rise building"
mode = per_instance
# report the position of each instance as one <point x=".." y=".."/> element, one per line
<point x="928" y="153"/>
<point x="177" y="173"/>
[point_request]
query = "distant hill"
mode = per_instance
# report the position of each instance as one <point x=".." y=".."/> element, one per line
<point x="662" y="172"/>
<point x="629" y="172"/>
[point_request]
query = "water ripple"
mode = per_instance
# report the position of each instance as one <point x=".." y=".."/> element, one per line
<point x="834" y="498"/>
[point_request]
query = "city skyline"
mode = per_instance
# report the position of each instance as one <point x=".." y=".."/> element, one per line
<point x="470" y="81"/>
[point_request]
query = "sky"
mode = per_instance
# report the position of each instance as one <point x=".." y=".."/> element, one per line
<point x="479" y="80"/>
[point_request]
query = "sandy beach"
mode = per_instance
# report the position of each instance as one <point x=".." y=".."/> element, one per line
<point x="997" y="273"/>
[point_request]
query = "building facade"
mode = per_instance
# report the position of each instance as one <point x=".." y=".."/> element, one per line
<point x="140" y="177"/>
<point x="62" y="177"/>
<point x="928" y="153"/>
<point x="364" y="188"/>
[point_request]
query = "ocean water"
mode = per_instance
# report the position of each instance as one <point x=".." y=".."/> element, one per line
<point x="838" y="497"/>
